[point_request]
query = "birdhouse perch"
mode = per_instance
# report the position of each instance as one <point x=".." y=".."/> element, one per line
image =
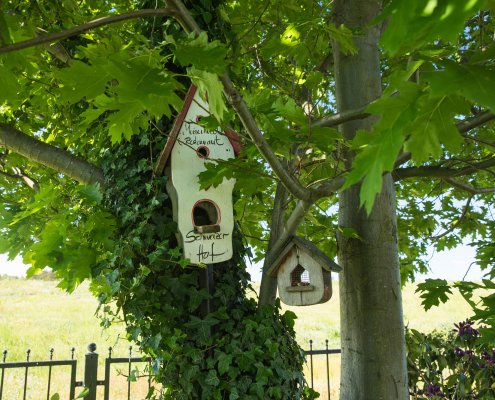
<point x="303" y="273"/>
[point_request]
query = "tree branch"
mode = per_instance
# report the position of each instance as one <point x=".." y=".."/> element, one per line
<point x="268" y="287"/>
<point x="440" y="172"/>
<point x="306" y="196"/>
<point x="188" y="23"/>
<point x="50" y="156"/>
<point x="456" y="223"/>
<point x="111" y="19"/>
<point x="468" y="188"/>
<point x="342" y="117"/>
<point x="20" y="175"/>
<point x="479" y="119"/>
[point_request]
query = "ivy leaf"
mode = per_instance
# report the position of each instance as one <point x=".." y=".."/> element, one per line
<point x="224" y="363"/>
<point x="202" y="326"/>
<point x="210" y="87"/>
<point x="433" y="291"/>
<point x="212" y="378"/>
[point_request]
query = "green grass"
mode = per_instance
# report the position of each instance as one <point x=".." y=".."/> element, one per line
<point x="36" y="315"/>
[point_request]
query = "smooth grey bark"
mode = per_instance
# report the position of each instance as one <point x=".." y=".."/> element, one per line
<point x="372" y="330"/>
<point x="50" y="156"/>
<point x="268" y="289"/>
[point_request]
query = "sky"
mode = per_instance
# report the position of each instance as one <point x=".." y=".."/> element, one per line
<point x="450" y="265"/>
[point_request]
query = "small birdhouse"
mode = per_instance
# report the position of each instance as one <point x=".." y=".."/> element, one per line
<point x="205" y="218"/>
<point x="303" y="273"/>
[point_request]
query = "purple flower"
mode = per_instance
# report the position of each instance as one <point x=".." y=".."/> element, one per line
<point x="432" y="390"/>
<point x="489" y="359"/>
<point x="459" y="352"/>
<point x="465" y="329"/>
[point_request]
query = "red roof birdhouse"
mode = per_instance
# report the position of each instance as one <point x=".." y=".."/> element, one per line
<point x="204" y="217"/>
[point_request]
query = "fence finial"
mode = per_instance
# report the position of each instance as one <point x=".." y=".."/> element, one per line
<point x="92" y="347"/>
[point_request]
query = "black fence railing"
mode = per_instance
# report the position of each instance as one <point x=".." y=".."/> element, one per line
<point x="28" y="364"/>
<point x="310" y="354"/>
<point x="91" y="382"/>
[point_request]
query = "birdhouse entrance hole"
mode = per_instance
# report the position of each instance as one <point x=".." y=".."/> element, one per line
<point x="206" y="217"/>
<point x="203" y="152"/>
<point x="299" y="280"/>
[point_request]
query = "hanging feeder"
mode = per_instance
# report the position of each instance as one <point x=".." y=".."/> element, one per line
<point x="303" y="273"/>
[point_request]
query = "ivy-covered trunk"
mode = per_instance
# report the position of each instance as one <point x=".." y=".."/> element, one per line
<point x="372" y="332"/>
<point x="236" y="351"/>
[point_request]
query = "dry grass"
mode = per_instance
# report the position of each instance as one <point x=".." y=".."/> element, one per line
<point x="36" y="315"/>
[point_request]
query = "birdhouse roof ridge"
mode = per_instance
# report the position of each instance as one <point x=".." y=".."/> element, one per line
<point x="232" y="136"/>
<point x="305" y="245"/>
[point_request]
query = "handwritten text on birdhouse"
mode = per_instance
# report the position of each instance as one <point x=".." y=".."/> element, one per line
<point x="204" y="217"/>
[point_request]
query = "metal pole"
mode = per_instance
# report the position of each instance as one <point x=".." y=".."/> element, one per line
<point x="91" y="372"/>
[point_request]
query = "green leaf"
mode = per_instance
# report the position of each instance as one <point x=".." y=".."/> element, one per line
<point x="290" y="318"/>
<point x="476" y="83"/>
<point x="224" y="363"/>
<point x="8" y="82"/>
<point x="379" y="156"/>
<point x="412" y="24"/>
<point x="82" y="80"/>
<point x="203" y="55"/>
<point x="83" y="394"/>
<point x="92" y="193"/>
<point x="124" y="123"/>
<point x="433" y="291"/>
<point x="348" y="232"/>
<point x="378" y="150"/>
<point x="55" y="396"/>
<point x="290" y="110"/>
<point x="210" y="87"/>
<point x="435" y="127"/>
<point x="212" y="378"/>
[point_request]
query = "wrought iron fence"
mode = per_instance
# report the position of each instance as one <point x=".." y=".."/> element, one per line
<point x="91" y="382"/>
<point x="310" y="355"/>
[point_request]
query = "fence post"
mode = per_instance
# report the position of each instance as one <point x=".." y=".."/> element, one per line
<point x="91" y="372"/>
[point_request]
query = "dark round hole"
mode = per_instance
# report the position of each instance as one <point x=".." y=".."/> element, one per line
<point x="203" y="152"/>
<point x="205" y="213"/>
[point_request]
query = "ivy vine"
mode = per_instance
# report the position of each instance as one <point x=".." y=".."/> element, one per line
<point x="237" y="351"/>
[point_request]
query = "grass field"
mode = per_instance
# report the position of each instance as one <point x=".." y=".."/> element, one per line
<point x="36" y="315"/>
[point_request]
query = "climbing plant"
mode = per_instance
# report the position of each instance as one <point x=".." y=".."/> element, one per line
<point x="235" y="351"/>
<point x="367" y="128"/>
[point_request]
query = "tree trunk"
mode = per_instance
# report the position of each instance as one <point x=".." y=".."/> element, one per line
<point x="372" y="330"/>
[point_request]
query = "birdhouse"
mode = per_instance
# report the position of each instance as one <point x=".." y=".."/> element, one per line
<point x="303" y="273"/>
<point x="205" y="218"/>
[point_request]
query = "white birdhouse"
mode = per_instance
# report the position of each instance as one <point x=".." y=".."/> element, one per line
<point x="303" y="273"/>
<point x="205" y="218"/>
